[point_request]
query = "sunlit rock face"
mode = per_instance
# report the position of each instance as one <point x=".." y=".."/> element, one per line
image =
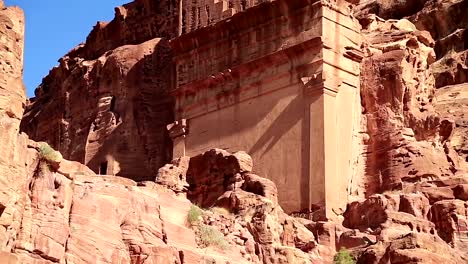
<point x="16" y="160"/>
<point x="404" y="142"/>
<point x="11" y="69"/>
<point x="403" y="200"/>
<point x="279" y="80"/>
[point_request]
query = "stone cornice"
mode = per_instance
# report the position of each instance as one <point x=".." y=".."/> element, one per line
<point x="177" y="129"/>
<point x="253" y="16"/>
<point x="354" y="54"/>
<point x="240" y="70"/>
<point x="317" y="85"/>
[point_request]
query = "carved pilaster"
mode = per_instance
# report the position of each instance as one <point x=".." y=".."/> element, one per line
<point x="317" y="85"/>
<point x="320" y="116"/>
<point x="178" y="132"/>
<point x="353" y="54"/>
<point x="177" y="129"/>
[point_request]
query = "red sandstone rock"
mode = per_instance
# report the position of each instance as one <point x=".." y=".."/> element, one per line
<point x="435" y="194"/>
<point x="415" y="204"/>
<point x="445" y="20"/>
<point x="109" y="112"/>
<point x="133" y="23"/>
<point x="355" y="239"/>
<point x="402" y="237"/>
<point x="214" y="172"/>
<point x="397" y="91"/>
<point x="461" y="192"/>
<point x="68" y="214"/>
<point x="411" y="248"/>
<point x="452" y="104"/>
<point x="261" y="186"/>
<point x="17" y="161"/>
<point x="450" y="221"/>
<point x="389" y="9"/>
<point x="174" y="175"/>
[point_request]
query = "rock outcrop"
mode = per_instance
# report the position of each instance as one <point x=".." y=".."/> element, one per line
<point x="403" y="141"/>
<point x="452" y="104"/>
<point x="122" y="115"/>
<point x="70" y="215"/>
<point x="413" y="105"/>
<point x="447" y="23"/>
<point x="16" y="160"/>
<point x="107" y="105"/>
<point x="133" y="23"/>
<point x="445" y="20"/>
<point x="58" y="211"/>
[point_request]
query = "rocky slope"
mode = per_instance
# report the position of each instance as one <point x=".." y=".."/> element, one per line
<point x="73" y="216"/>
<point x="410" y="205"/>
<point x="404" y="137"/>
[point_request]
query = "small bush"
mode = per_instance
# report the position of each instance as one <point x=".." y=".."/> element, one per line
<point x="194" y="214"/>
<point x="210" y="236"/>
<point x="48" y="153"/>
<point x="343" y="257"/>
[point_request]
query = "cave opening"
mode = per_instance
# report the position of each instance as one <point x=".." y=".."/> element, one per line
<point x="103" y="168"/>
<point x="112" y="104"/>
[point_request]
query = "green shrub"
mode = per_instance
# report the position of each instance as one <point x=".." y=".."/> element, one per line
<point x="343" y="257"/>
<point x="210" y="236"/>
<point x="48" y="153"/>
<point x="194" y="214"/>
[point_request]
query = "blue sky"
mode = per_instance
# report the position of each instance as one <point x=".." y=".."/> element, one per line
<point x="53" y="27"/>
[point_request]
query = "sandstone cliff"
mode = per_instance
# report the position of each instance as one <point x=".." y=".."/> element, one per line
<point x="110" y="96"/>
<point x="409" y="101"/>
<point x="57" y="211"/>
<point x="122" y="115"/>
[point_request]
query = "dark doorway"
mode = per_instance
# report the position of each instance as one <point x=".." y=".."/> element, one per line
<point x="112" y="104"/>
<point x="103" y="168"/>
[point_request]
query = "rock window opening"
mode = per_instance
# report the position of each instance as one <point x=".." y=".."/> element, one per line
<point x="243" y="5"/>
<point x="112" y="104"/>
<point x="103" y="168"/>
<point x="2" y="209"/>
<point x="208" y="15"/>
<point x="112" y="109"/>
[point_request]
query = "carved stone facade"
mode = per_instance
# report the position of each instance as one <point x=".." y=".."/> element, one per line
<point x="202" y="13"/>
<point x="278" y="79"/>
<point x="281" y="81"/>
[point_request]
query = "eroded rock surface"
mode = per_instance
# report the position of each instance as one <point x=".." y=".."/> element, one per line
<point x="452" y="104"/>
<point x="413" y="85"/>
<point x="122" y="115"/>
<point x="445" y="20"/>
<point x="74" y="216"/>
<point x="410" y="205"/>
<point x="403" y="141"/>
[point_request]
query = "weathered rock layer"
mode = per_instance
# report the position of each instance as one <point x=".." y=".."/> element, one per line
<point x="107" y="105"/>
<point x="123" y="111"/>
